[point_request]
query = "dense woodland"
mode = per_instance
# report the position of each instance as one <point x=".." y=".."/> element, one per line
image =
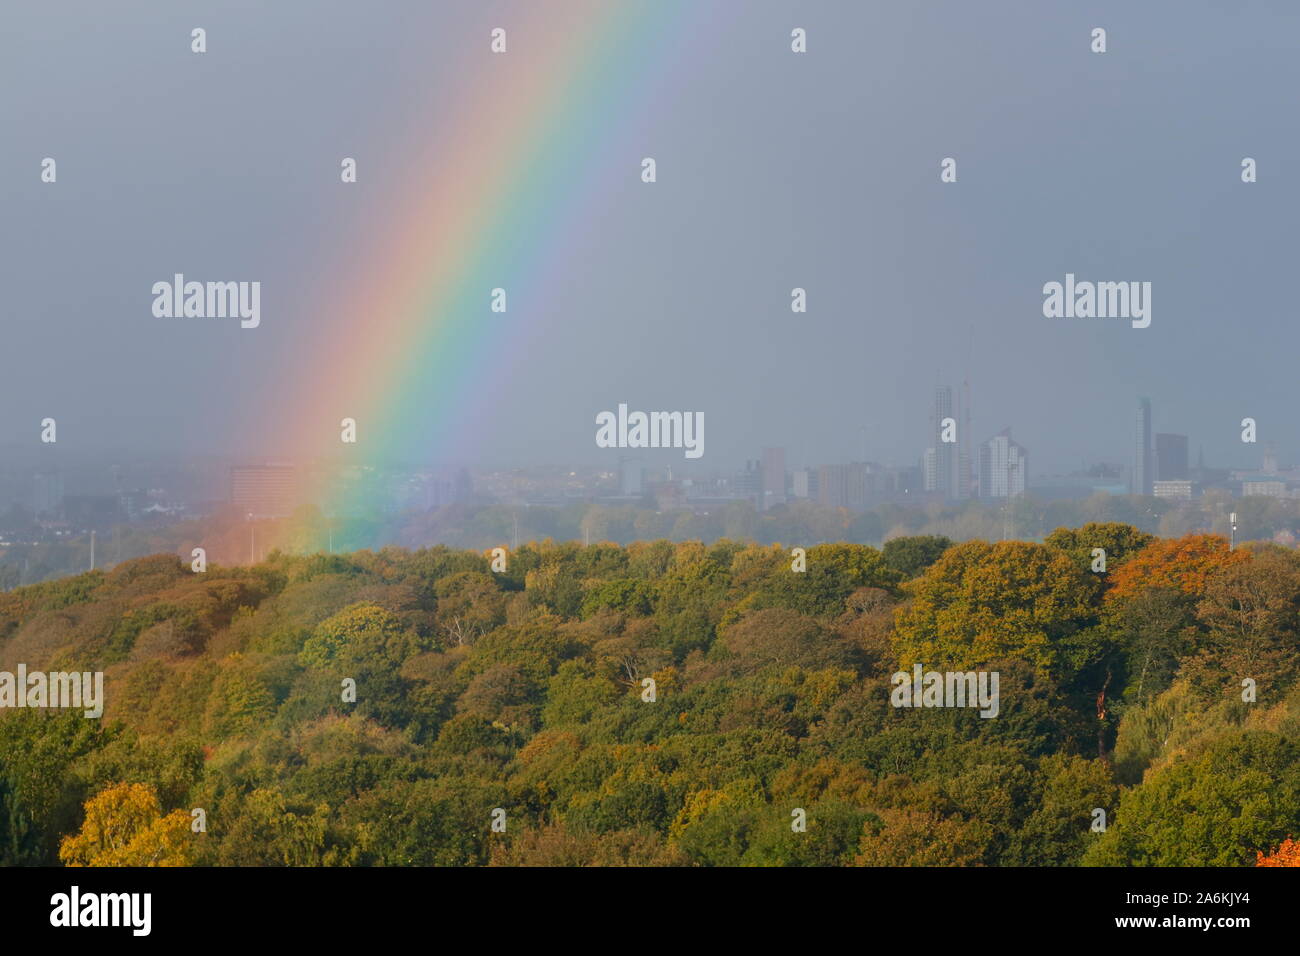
<point x="522" y="691"/>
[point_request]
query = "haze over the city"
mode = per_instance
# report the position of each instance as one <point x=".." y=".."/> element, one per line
<point x="774" y="171"/>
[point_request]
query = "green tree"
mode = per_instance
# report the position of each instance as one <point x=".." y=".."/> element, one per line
<point x="1119" y="541"/>
<point x="912" y="554"/>
<point x="1215" y="809"/>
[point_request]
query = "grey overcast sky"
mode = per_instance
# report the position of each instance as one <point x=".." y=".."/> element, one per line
<point x="775" y="170"/>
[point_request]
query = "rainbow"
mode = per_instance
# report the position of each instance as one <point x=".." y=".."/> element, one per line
<point x="409" y="340"/>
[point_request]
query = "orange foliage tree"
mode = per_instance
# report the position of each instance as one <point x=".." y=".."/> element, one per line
<point x="1184" y="564"/>
<point x="1288" y="854"/>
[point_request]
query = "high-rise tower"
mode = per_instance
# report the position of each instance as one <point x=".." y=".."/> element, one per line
<point x="945" y="452"/>
<point x="1142" y="471"/>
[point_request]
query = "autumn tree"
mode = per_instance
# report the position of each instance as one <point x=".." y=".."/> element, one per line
<point x="559" y="845"/>
<point x="469" y="605"/>
<point x="1252" y="610"/>
<point x="1183" y="564"/>
<point x="911" y="837"/>
<point x="983" y="601"/>
<point x="785" y="637"/>
<point x="1287" y="854"/>
<point x="125" y="826"/>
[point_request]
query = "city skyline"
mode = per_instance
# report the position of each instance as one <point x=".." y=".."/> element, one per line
<point x="971" y="428"/>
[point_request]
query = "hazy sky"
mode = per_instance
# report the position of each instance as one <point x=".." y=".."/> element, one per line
<point x="775" y="170"/>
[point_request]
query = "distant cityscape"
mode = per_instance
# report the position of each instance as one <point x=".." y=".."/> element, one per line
<point x="87" y="501"/>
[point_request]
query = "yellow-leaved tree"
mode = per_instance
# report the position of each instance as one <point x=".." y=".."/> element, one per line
<point x="125" y="826"/>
